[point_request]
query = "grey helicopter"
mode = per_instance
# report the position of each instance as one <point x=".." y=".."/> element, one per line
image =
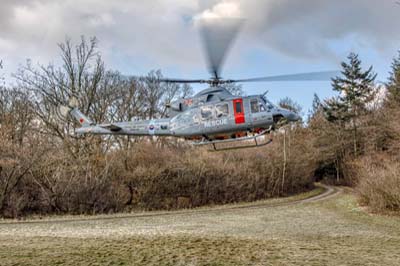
<point x="214" y="115"/>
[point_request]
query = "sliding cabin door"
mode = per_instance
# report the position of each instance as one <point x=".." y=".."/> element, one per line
<point x="238" y="111"/>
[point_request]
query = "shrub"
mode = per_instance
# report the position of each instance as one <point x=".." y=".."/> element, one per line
<point x="152" y="176"/>
<point x="378" y="182"/>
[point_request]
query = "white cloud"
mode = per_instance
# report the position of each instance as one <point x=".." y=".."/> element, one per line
<point x="160" y="33"/>
<point x="224" y="9"/>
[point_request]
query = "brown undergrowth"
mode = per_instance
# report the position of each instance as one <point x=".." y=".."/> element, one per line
<point x="378" y="182"/>
<point x="152" y="176"/>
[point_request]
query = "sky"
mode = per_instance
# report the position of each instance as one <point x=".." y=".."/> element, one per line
<point x="279" y="37"/>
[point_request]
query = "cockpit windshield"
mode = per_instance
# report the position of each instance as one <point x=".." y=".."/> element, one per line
<point x="268" y="104"/>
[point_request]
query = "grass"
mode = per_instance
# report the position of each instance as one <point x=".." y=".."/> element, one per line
<point x="188" y="250"/>
<point x="331" y="232"/>
<point x="137" y="213"/>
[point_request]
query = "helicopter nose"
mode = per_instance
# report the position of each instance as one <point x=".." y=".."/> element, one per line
<point x="291" y="116"/>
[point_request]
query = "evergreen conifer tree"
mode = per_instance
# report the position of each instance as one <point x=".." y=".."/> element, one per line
<point x="315" y="108"/>
<point x="316" y="104"/>
<point x="356" y="90"/>
<point x="393" y="85"/>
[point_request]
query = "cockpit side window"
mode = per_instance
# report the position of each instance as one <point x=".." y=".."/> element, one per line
<point x="268" y="104"/>
<point x="262" y="107"/>
<point x="206" y="112"/>
<point x="254" y="106"/>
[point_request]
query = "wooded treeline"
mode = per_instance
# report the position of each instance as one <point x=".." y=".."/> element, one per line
<point x="46" y="169"/>
<point x="357" y="134"/>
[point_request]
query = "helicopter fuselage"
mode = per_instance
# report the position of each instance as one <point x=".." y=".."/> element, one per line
<point x="214" y="119"/>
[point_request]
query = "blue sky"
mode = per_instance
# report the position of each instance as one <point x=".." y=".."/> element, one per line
<point x="280" y="37"/>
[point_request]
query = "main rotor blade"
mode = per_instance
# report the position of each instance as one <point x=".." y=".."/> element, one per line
<point x="312" y="76"/>
<point x="145" y="78"/>
<point x="218" y="35"/>
<point x="183" y="80"/>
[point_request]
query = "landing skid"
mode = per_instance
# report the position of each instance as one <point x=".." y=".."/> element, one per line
<point x="254" y="138"/>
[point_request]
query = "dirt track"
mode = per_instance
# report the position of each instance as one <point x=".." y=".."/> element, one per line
<point x="327" y="229"/>
<point x="197" y="221"/>
<point x="328" y="191"/>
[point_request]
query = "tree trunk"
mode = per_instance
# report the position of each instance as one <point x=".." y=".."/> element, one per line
<point x="337" y="170"/>
<point x="355" y="137"/>
<point x="284" y="159"/>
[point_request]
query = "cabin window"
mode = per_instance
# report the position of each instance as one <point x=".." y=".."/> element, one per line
<point x="238" y="107"/>
<point x="255" y="107"/>
<point x="206" y="112"/>
<point x="222" y="110"/>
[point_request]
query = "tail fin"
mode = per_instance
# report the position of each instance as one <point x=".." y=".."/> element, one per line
<point x="81" y="118"/>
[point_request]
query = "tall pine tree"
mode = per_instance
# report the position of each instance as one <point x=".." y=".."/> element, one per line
<point x="393" y="85"/>
<point x="356" y="90"/>
<point x="315" y="108"/>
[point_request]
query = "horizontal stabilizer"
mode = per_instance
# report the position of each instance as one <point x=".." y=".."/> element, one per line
<point x="112" y="127"/>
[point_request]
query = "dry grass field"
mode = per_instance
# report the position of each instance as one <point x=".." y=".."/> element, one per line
<point x="329" y="231"/>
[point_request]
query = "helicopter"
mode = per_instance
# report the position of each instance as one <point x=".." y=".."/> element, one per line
<point x="214" y="115"/>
